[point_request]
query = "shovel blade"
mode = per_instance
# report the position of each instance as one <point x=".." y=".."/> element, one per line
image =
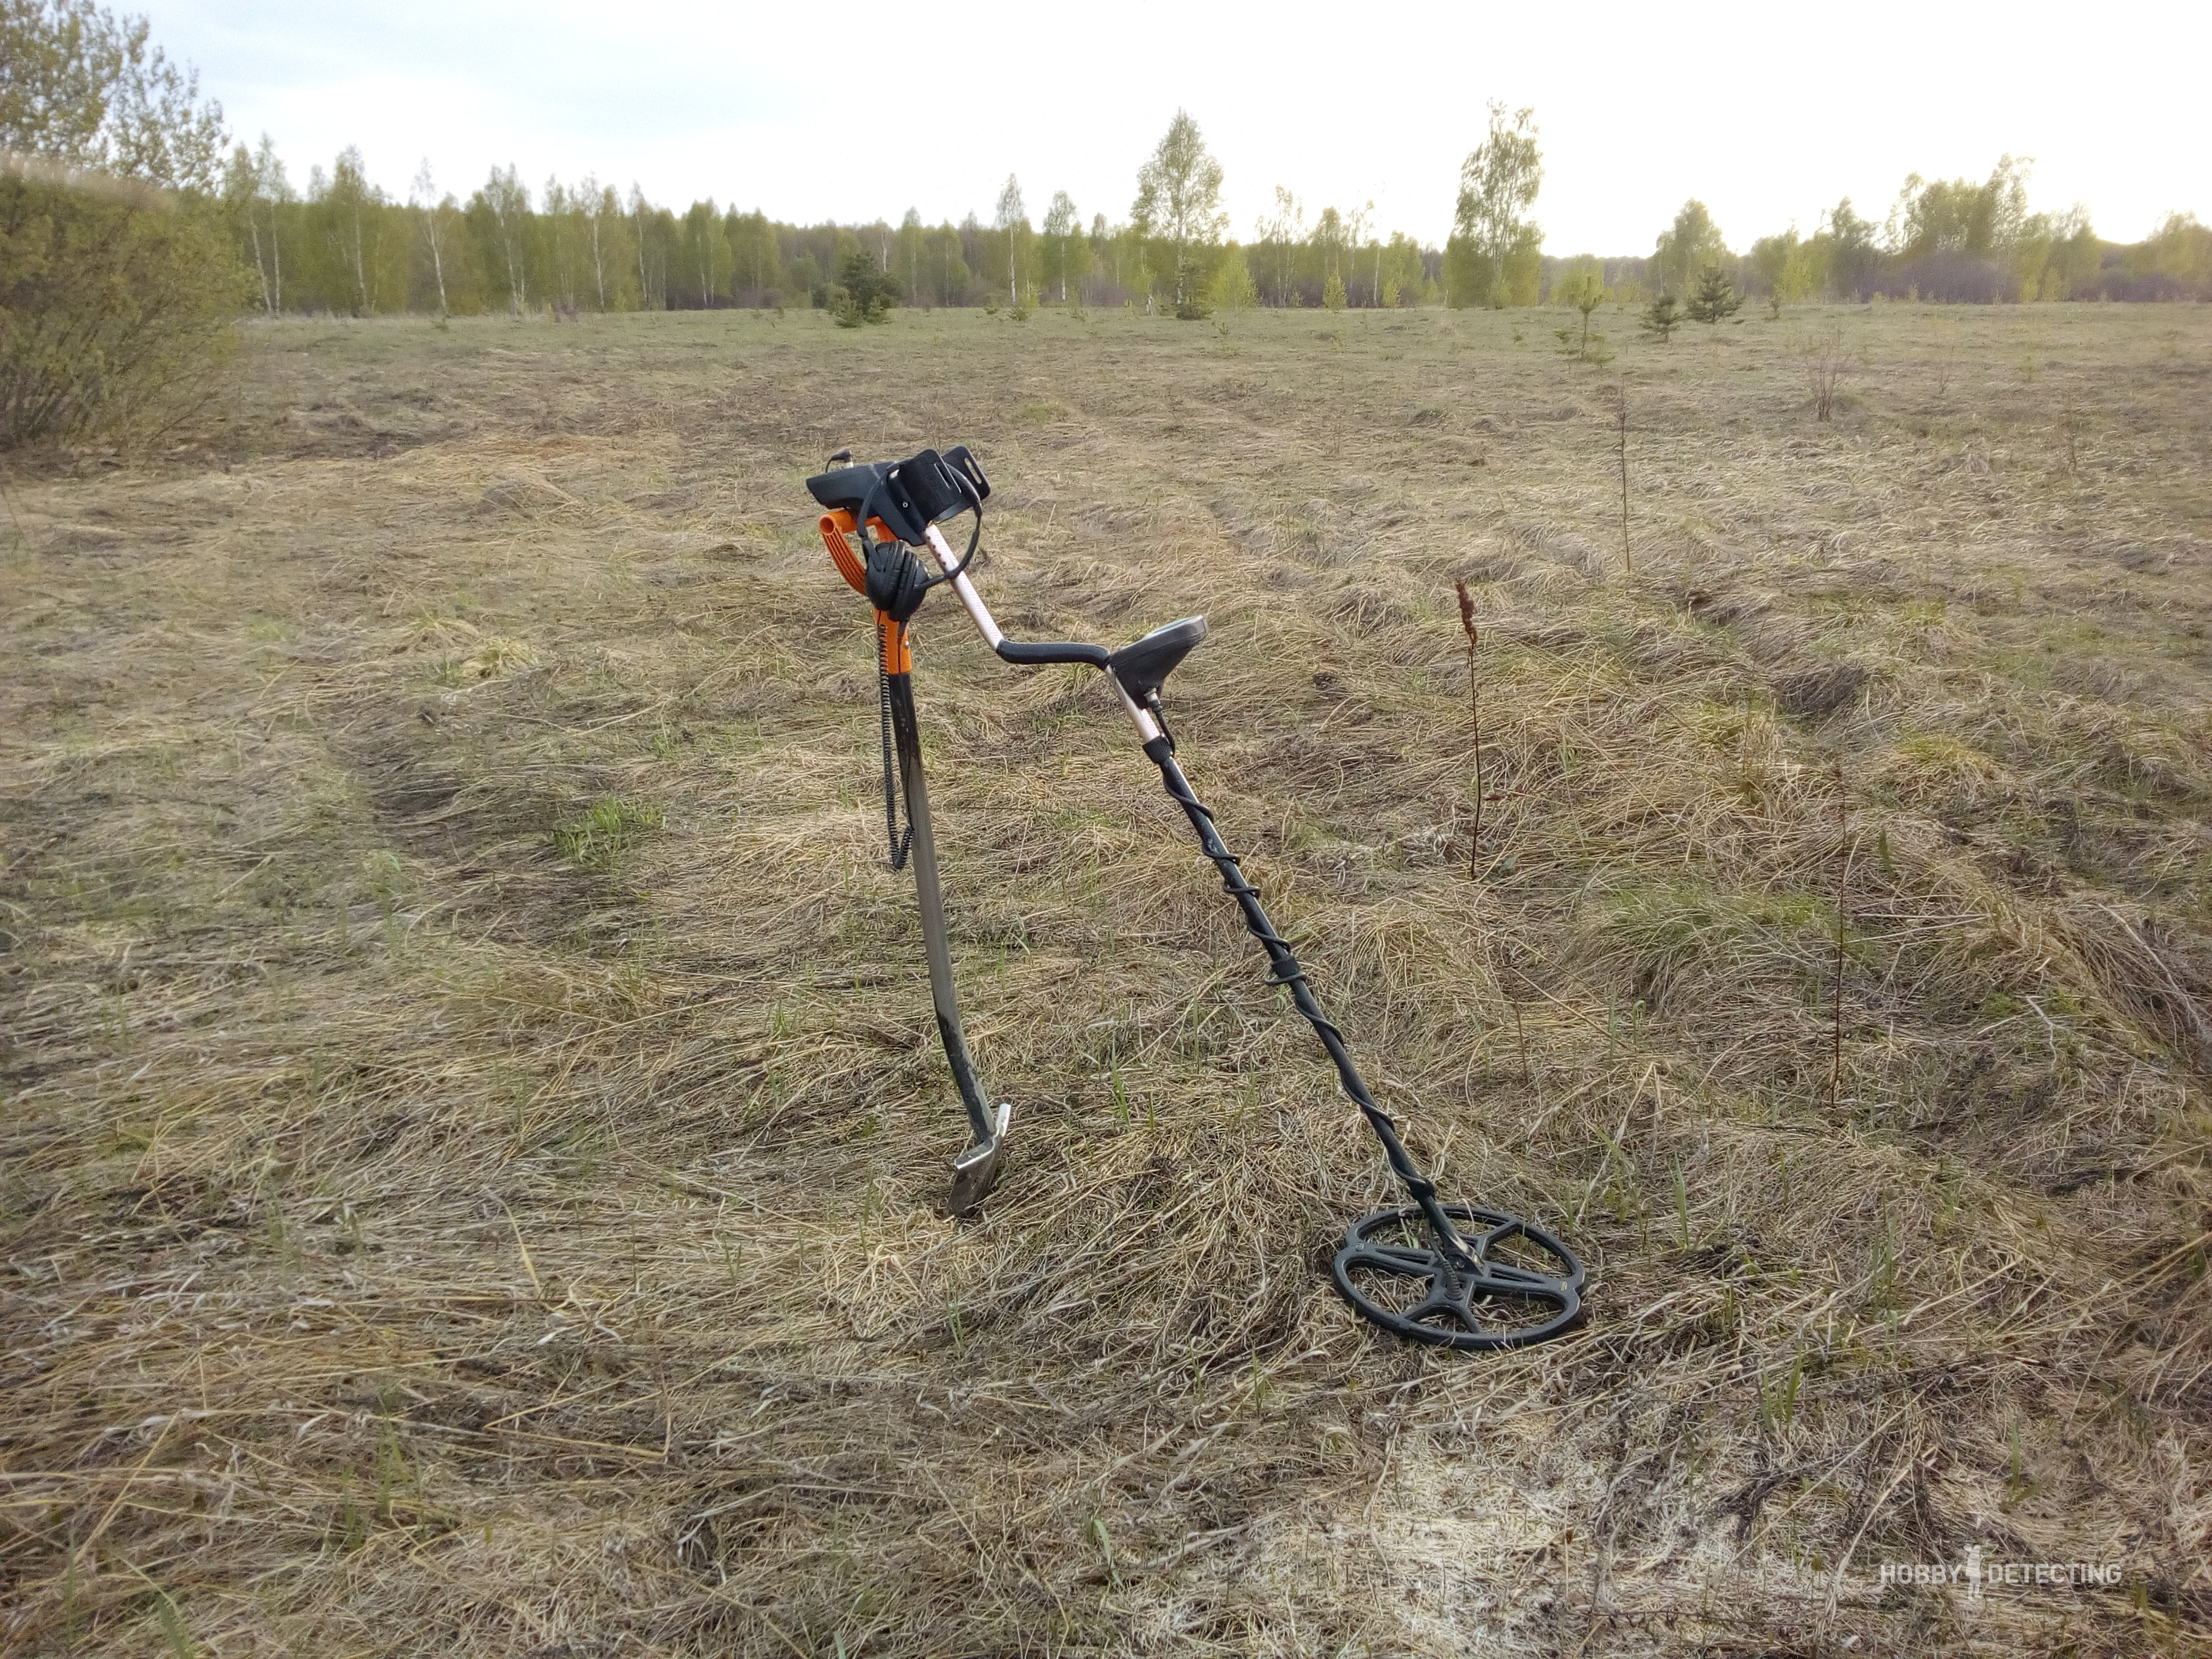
<point x="975" y="1171"/>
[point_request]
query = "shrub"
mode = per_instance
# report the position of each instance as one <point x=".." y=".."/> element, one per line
<point x="117" y="286"/>
<point x="1827" y="360"/>
<point x="1232" y="288"/>
<point x="112" y="307"/>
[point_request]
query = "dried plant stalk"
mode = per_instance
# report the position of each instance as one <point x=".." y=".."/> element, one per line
<point x="1475" y="710"/>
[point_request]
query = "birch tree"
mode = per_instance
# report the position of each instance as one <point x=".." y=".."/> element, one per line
<point x="1179" y="196"/>
<point x="349" y="204"/>
<point x="1492" y="238"/>
<point x="702" y="231"/>
<point x="1062" y="224"/>
<point x="508" y="199"/>
<point x="274" y="191"/>
<point x="910" y="238"/>
<point x="753" y="252"/>
<point x="242" y="193"/>
<point x="599" y="207"/>
<point x="558" y="225"/>
<point x="637" y="212"/>
<point x="1687" y="246"/>
<point x="1356" y="224"/>
<point x="1283" y="233"/>
<point x="1328" y="243"/>
<point x="431" y="219"/>
<point x="1012" y="219"/>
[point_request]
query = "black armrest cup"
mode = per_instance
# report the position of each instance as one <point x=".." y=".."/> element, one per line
<point x="1143" y="665"/>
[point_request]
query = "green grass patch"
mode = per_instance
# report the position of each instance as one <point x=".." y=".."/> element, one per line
<point x="604" y="832"/>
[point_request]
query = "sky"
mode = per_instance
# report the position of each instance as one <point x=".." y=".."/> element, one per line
<point x="860" y="111"/>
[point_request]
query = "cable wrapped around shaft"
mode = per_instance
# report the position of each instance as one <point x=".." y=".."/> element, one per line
<point x="899" y="844"/>
<point x="1283" y="969"/>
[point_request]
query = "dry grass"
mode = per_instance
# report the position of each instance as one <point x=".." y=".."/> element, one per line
<point x="472" y="1111"/>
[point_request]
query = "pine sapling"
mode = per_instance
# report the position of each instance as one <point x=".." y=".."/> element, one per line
<point x="1715" y="298"/>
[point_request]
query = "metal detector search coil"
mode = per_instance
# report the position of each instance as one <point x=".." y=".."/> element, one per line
<point x="1456" y="1275"/>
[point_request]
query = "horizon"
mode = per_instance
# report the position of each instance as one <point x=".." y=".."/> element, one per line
<point x="692" y="104"/>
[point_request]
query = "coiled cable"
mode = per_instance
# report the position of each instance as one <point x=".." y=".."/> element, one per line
<point x="1283" y="970"/>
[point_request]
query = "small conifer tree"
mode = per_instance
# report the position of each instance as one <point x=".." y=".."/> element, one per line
<point x="1662" y="317"/>
<point x="864" y="291"/>
<point x="1584" y="291"/>
<point x="1714" y="297"/>
<point x="1332" y="295"/>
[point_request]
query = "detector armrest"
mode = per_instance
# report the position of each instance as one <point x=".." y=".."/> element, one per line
<point x="847" y="489"/>
<point x="1143" y="665"/>
<point x="908" y="496"/>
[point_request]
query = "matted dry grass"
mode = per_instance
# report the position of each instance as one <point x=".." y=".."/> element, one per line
<point x="473" y="1109"/>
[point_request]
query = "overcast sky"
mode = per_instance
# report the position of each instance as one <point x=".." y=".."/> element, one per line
<point x="860" y="111"/>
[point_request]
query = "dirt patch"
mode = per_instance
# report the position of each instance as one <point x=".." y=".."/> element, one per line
<point x="1813" y="694"/>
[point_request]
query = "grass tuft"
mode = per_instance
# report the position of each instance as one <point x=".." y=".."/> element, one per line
<point x="604" y="832"/>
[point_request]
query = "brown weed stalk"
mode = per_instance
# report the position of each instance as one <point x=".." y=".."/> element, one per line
<point x="1621" y="406"/>
<point x="1475" y="710"/>
<point x="1842" y="865"/>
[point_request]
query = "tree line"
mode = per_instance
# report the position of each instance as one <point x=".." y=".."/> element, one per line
<point x="340" y="245"/>
<point x="1945" y="242"/>
<point x="133" y="233"/>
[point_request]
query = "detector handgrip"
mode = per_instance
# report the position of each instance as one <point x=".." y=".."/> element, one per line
<point x="834" y="527"/>
<point x="1034" y="653"/>
<point x="897" y="654"/>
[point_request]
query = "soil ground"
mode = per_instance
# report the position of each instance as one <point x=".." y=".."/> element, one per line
<point x="471" y="1112"/>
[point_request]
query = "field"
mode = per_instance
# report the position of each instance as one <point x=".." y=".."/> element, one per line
<point x="471" y="1112"/>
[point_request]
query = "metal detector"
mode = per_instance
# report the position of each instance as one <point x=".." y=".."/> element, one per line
<point x="1457" y="1275"/>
